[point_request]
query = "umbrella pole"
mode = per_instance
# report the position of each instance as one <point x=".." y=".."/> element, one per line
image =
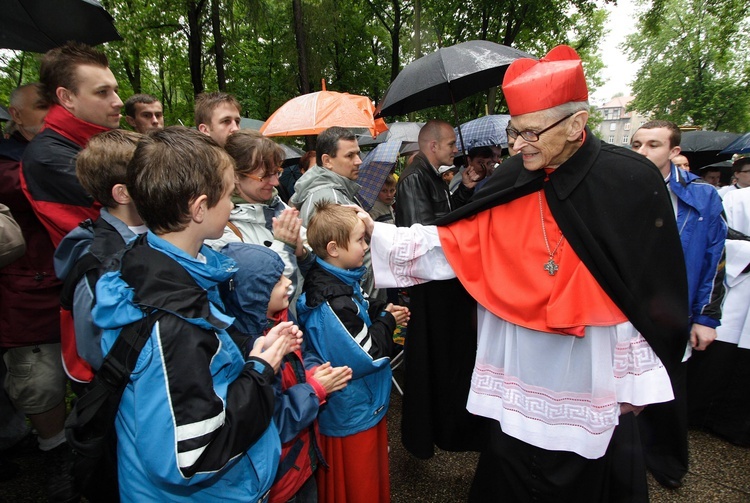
<point x="458" y="124"/>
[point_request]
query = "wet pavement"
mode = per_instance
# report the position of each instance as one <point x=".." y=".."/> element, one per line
<point x="719" y="472"/>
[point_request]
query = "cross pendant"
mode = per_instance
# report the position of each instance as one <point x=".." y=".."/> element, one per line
<point x="551" y="267"/>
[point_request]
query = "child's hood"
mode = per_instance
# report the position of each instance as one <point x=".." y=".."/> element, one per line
<point x="157" y="276"/>
<point x="246" y="296"/>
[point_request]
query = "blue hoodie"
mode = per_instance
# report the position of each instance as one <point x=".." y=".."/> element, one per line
<point x="194" y="422"/>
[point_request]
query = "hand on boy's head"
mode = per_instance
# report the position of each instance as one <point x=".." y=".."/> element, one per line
<point x="274" y="354"/>
<point x="332" y="378"/>
<point x="365" y="217"/>
<point x="286" y="227"/>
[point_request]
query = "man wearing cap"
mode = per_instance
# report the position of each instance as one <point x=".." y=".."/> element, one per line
<point x="569" y="251"/>
<point x="741" y="169"/>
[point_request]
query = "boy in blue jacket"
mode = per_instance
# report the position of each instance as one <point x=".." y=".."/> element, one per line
<point x="195" y="420"/>
<point x="343" y="327"/>
<point x="258" y="298"/>
<point x="101" y="168"/>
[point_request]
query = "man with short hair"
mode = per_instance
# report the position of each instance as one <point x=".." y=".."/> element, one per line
<point x="27" y="110"/>
<point x="680" y="161"/>
<point x="711" y="175"/>
<point x="698" y="210"/>
<point x="741" y="169"/>
<point x="334" y="179"/>
<point x="569" y="251"/>
<point x="30" y="306"/>
<point x="82" y="89"/>
<point x="421" y="194"/>
<point x="217" y="115"/>
<point x="144" y="113"/>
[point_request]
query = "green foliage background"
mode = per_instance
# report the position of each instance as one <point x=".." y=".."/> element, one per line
<point x="695" y="61"/>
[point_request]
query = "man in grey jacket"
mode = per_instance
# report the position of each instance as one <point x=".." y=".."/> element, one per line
<point x="333" y="178"/>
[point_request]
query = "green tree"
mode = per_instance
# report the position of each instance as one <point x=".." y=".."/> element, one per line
<point x="695" y="63"/>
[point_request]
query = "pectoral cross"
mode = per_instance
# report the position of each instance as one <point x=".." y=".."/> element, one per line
<point x="551" y="267"/>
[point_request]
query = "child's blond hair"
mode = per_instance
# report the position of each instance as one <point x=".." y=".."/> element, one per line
<point x="330" y="222"/>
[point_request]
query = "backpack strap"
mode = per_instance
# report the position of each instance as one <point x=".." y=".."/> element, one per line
<point x="94" y="412"/>
<point x="236" y="230"/>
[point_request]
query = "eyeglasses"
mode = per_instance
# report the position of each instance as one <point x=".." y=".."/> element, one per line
<point x="532" y="136"/>
<point x="265" y="177"/>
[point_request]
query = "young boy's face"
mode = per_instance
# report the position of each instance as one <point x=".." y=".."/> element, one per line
<point x="387" y="194"/>
<point x="218" y="216"/>
<point x="354" y="256"/>
<point x="279" y="296"/>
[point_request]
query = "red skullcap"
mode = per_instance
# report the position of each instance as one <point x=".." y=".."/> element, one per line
<point x="557" y="78"/>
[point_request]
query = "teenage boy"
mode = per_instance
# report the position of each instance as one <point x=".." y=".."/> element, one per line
<point x="217" y="115"/>
<point x="195" y="417"/>
<point x="344" y="328"/>
<point x="101" y="169"/>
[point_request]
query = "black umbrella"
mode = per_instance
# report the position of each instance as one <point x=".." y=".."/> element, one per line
<point x="706" y="141"/>
<point x="447" y="75"/>
<point x="41" y="25"/>
<point x="4" y="115"/>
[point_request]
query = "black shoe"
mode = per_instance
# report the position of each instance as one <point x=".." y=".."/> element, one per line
<point x="60" y="483"/>
<point x="666" y="481"/>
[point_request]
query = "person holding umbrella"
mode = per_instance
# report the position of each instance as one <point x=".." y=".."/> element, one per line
<point x="577" y="320"/>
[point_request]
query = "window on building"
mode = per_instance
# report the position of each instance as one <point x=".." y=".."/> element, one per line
<point x="616" y="113"/>
<point x="627" y="126"/>
<point x="611" y="138"/>
<point x="613" y="126"/>
<point x="625" y="139"/>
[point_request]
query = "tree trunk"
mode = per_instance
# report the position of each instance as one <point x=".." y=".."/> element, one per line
<point x="396" y="40"/>
<point x="218" y="45"/>
<point x="195" y="44"/>
<point x="304" y="73"/>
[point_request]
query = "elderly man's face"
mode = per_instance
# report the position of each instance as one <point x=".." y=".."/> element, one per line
<point x="29" y="111"/>
<point x="549" y="150"/>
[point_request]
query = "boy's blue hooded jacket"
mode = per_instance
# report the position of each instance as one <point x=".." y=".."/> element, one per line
<point x="195" y="419"/>
<point x="342" y="327"/>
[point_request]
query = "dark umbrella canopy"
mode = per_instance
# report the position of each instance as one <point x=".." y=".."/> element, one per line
<point x="739" y="146"/>
<point x="253" y="124"/>
<point x="41" y="25"/>
<point x="446" y="76"/>
<point x="706" y="141"/>
<point x="4" y="115"/>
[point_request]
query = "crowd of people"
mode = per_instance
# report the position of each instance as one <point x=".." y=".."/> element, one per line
<point x="597" y="303"/>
